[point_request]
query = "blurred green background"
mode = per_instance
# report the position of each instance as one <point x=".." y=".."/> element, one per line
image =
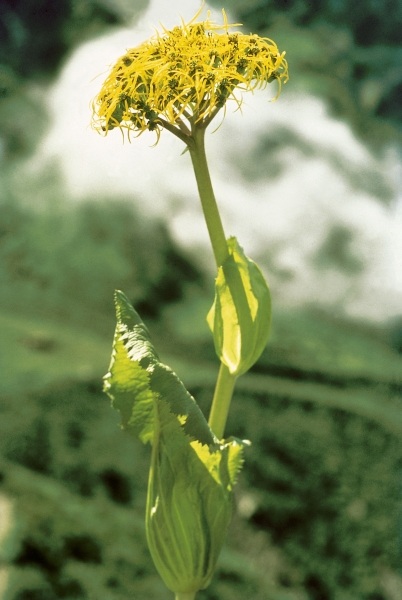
<point x="319" y="502"/>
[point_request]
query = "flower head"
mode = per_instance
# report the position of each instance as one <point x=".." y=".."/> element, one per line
<point x="181" y="78"/>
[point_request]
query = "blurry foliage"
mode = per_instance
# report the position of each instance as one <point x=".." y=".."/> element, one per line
<point x="318" y="503"/>
<point x="322" y="485"/>
<point x="35" y="38"/>
<point x="78" y="531"/>
<point x="37" y="352"/>
<point x="65" y="261"/>
<point x="350" y="54"/>
<point x="36" y="34"/>
<point x="305" y="345"/>
<point x="327" y="490"/>
<point x="369" y="21"/>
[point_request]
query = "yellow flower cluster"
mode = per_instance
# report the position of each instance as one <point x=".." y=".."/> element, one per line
<point x="181" y="78"/>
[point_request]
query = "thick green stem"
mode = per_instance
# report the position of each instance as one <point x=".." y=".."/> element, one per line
<point x="225" y="382"/>
<point x="207" y="196"/>
<point x="221" y="401"/>
<point x="185" y="596"/>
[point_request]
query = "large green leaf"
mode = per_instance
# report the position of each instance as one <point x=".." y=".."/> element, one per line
<point x="137" y="379"/>
<point x="192" y="474"/>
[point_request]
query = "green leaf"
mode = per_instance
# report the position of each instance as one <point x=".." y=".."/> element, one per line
<point x="240" y="317"/>
<point x="136" y="379"/>
<point x="189" y="502"/>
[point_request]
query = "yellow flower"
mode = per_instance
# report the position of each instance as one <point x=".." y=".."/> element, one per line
<point x="180" y="79"/>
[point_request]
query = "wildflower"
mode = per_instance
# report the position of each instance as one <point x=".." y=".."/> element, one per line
<point x="181" y="78"/>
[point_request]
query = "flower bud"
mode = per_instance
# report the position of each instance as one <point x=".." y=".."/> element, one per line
<point x="240" y="317"/>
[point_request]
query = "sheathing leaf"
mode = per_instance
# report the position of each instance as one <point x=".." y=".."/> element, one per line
<point x="189" y="502"/>
<point x="240" y="317"/>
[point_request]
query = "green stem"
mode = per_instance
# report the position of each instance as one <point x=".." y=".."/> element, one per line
<point x="221" y="401"/>
<point x="207" y="196"/>
<point x="185" y="596"/>
<point x="225" y="382"/>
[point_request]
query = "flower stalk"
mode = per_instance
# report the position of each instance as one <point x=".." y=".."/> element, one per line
<point x="210" y="209"/>
<point x="226" y="382"/>
<point x="221" y="400"/>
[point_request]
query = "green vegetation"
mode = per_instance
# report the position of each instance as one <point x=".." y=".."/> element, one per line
<point x="348" y="54"/>
<point x="318" y="505"/>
